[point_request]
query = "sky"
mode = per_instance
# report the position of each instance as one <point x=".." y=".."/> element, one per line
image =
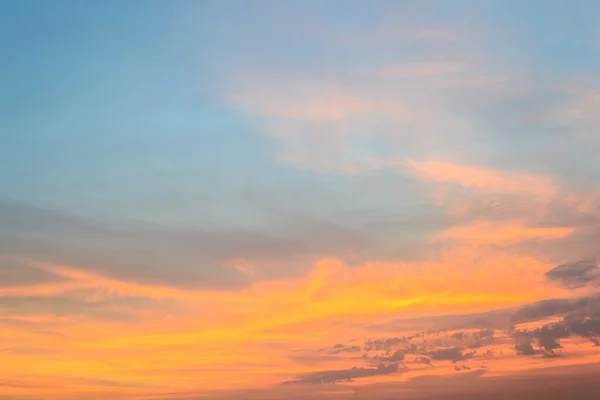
<point x="277" y="199"/>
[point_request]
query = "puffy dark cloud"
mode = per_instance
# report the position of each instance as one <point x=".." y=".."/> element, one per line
<point x="325" y="377"/>
<point x="396" y="356"/>
<point x="584" y="326"/>
<point x="450" y="354"/>
<point x="583" y="321"/>
<point x="525" y="348"/>
<point x="423" y="360"/>
<point x="576" y="275"/>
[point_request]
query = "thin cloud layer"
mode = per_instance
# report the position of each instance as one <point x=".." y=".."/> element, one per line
<point x="202" y="257"/>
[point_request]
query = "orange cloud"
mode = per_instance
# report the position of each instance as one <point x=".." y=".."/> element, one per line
<point x="243" y="339"/>
<point x="504" y="232"/>
<point x="481" y="178"/>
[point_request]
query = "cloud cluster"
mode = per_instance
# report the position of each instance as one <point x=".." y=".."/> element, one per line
<point x="577" y="318"/>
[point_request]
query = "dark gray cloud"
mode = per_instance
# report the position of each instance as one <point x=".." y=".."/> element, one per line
<point x="556" y="307"/>
<point x="453" y="354"/>
<point x="584" y="323"/>
<point x="548" y="336"/>
<point x="180" y="256"/>
<point x="525" y="348"/>
<point x="325" y="377"/>
<point x="396" y="356"/>
<point x="576" y="275"/>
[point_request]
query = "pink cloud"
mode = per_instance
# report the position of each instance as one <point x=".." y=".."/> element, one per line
<point x="481" y="178"/>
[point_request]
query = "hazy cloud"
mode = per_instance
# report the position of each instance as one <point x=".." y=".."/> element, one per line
<point x="13" y="273"/>
<point x="584" y="322"/>
<point x="180" y="256"/>
<point x="525" y="348"/>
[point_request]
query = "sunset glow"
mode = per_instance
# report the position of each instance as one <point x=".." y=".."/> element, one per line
<point x="299" y="199"/>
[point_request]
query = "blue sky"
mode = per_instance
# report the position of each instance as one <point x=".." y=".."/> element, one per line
<point x="124" y="99"/>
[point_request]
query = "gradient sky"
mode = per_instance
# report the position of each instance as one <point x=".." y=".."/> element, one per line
<point x="299" y="199"/>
